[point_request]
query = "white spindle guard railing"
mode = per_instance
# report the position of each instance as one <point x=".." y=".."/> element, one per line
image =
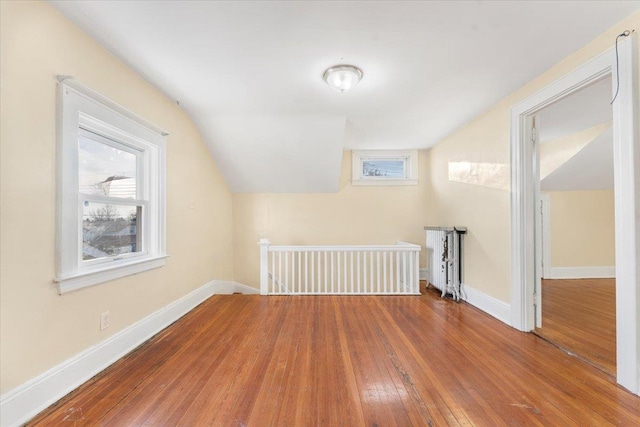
<point x="339" y="270"/>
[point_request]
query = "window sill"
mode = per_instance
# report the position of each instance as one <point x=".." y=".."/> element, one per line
<point x="385" y="182"/>
<point x="88" y="278"/>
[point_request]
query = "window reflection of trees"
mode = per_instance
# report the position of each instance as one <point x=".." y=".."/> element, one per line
<point x="108" y="232"/>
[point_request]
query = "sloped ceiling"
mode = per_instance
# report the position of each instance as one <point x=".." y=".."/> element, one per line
<point x="250" y="73"/>
<point x="579" y="111"/>
<point x="590" y="169"/>
<point x="300" y="154"/>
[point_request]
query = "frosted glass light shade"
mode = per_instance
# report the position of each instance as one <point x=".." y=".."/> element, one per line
<point x="342" y="77"/>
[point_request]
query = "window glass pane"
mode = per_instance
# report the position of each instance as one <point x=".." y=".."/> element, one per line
<point x="109" y="230"/>
<point x="105" y="170"/>
<point x="383" y="168"/>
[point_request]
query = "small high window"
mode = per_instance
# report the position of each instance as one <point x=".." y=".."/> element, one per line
<point x="111" y="191"/>
<point x="384" y="167"/>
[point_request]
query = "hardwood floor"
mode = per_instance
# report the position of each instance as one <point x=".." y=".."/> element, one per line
<point x="580" y="316"/>
<point x="247" y="360"/>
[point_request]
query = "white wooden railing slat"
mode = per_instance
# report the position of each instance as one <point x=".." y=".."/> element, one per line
<point x="301" y="273"/>
<point x="324" y="270"/>
<point x="397" y="272"/>
<point x="358" y="272"/>
<point x="384" y="270"/>
<point x="273" y="268"/>
<point x="404" y="271"/>
<point x="332" y="274"/>
<point x="312" y="286"/>
<point x="351" y="270"/>
<point x="364" y="271"/>
<point x="339" y="276"/>
<point x="308" y="279"/>
<point x="416" y="268"/>
<point x="286" y="270"/>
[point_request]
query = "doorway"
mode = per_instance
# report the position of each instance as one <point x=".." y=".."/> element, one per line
<point x="627" y="203"/>
<point x="576" y="232"/>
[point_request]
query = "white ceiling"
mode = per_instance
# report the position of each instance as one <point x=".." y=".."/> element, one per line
<point x="577" y="112"/>
<point x="250" y="73"/>
<point x="590" y="169"/>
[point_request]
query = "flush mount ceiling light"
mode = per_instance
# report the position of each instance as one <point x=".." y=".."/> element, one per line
<point x="342" y="77"/>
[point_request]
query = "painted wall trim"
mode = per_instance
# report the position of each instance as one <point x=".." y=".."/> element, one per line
<point x="27" y="400"/>
<point x="423" y="273"/>
<point x="490" y="305"/>
<point x="626" y="155"/>
<point x="90" y="93"/>
<point x="523" y="179"/>
<point x="600" y="272"/>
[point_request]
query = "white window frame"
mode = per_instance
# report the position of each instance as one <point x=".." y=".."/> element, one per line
<point x="409" y="157"/>
<point x="82" y="109"/>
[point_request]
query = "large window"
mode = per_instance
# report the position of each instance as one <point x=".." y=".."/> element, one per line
<point x="111" y="190"/>
<point x="385" y="167"/>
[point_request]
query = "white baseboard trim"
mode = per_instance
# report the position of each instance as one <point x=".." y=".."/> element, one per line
<point x="29" y="399"/>
<point x="223" y="287"/>
<point x="605" y="272"/>
<point x="424" y="273"/>
<point x="490" y="305"/>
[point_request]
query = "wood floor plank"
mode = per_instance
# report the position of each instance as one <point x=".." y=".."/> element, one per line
<point x="579" y="315"/>
<point x="456" y="387"/>
<point x="245" y="360"/>
<point x="162" y="393"/>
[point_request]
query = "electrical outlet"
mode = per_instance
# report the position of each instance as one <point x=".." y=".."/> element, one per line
<point x="104" y="320"/>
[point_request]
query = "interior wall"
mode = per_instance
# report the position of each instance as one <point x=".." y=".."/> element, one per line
<point x="39" y="328"/>
<point x="354" y="215"/>
<point x="582" y="228"/>
<point x="473" y="202"/>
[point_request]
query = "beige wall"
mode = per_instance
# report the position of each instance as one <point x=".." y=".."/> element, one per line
<point x="39" y="328"/>
<point x="485" y="208"/>
<point x="582" y="228"/>
<point x="354" y="215"/>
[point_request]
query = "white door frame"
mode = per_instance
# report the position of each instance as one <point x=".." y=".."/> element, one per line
<point x="545" y="211"/>
<point x="627" y="203"/>
<point x="543" y="245"/>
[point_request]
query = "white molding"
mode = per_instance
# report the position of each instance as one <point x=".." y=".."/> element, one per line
<point x="84" y="279"/>
<point x="388" y="182"/>
<point x="599" y="272"/>
<point x="82" y="108"/>
<point x="222" y="287"/>
<point x="29" y="399"/>
<point x="523" y="181"/>
<point x="92" y="94"/>
<point x="626" y="158"/>
<point x="424" y="273"/>
<point x="626" y="148"/>
<point x="398" y="247"/>
<point x="490" y="305"/>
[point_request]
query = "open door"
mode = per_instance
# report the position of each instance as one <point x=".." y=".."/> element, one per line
<point x="572" y="163"/>
<point x="623" y="60"/>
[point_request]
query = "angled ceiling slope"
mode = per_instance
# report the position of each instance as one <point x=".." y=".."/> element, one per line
<point x="300" y="154"/>
<point x="590" y="169"/>
<point x="579" y="111"/>
<point x="250" y="73"/>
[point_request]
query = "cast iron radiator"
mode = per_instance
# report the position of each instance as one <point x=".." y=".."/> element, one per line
<point x="444" y="259"/>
